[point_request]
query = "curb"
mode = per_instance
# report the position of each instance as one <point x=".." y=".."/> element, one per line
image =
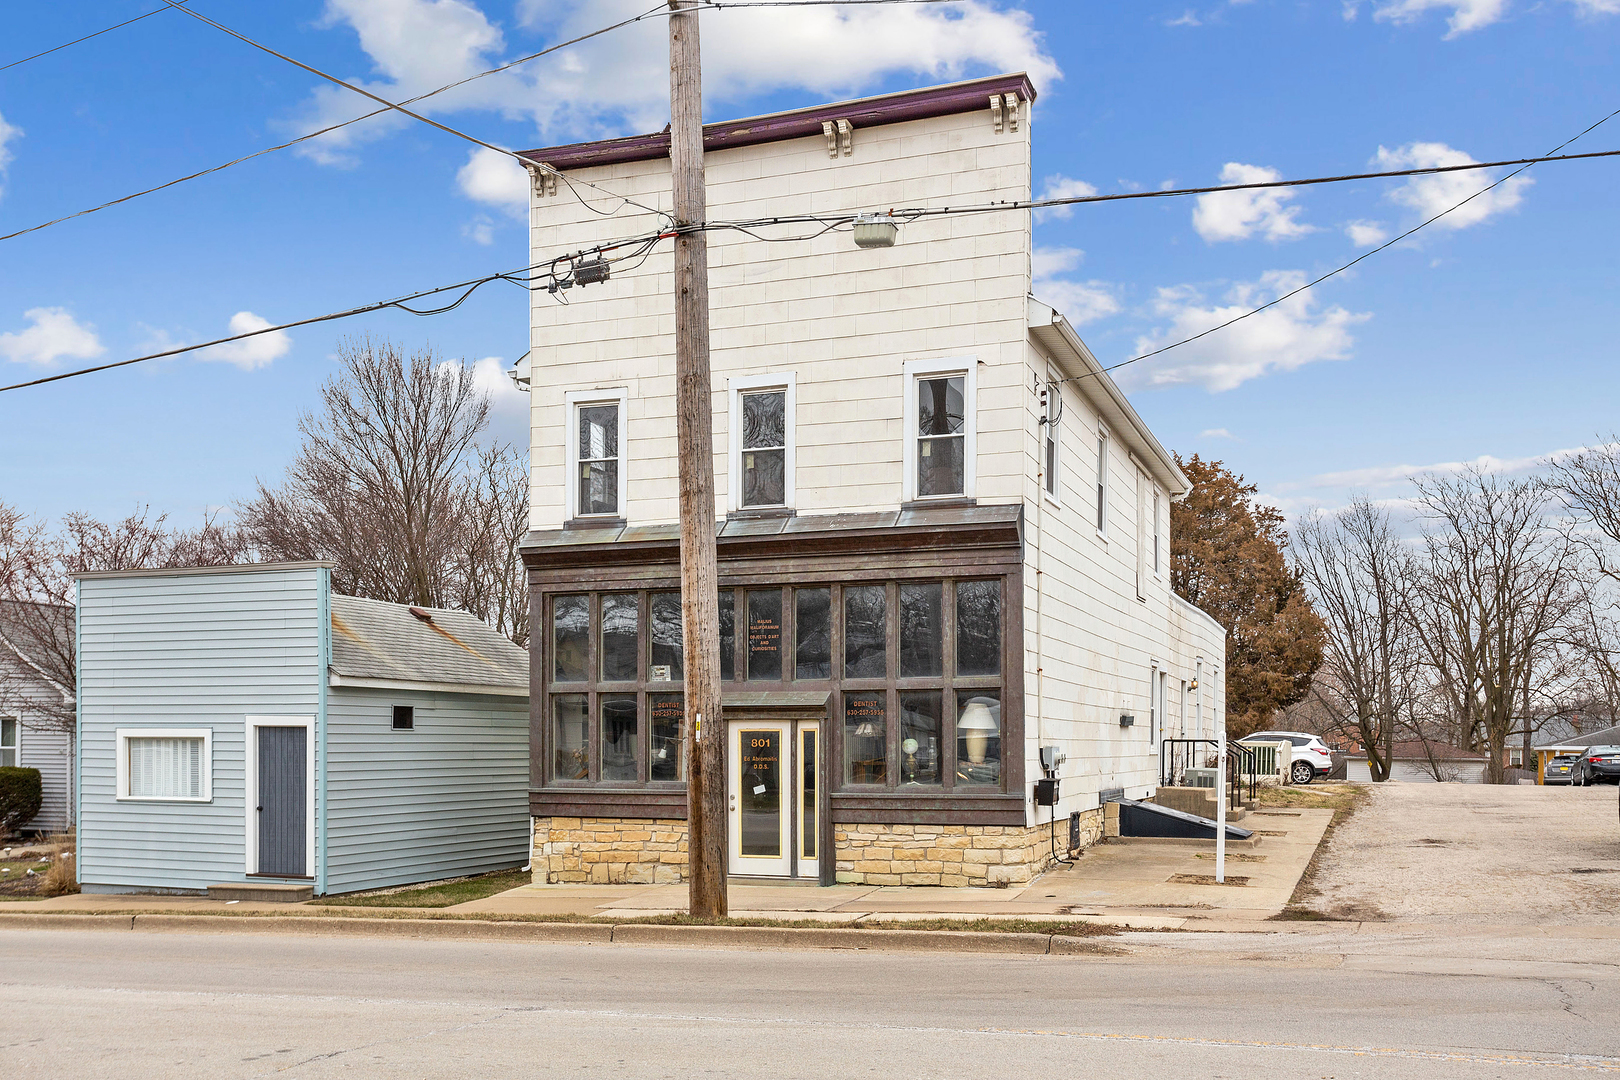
<point x="733" y="937"/>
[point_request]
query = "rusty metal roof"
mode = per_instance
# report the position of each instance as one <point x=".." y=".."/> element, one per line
<point x="375" y="641"/>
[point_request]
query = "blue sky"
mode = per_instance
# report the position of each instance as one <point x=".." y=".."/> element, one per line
<point x="1487" y="338"/>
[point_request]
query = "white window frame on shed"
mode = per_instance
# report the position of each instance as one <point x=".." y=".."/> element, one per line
<point x="736" y="387"/>
<point x="250" y="780"/>
<point x="14" y="747"/>
<point x="916" y="371"/>
<point x="122" y="770"/>
<point x="574" y="400"/>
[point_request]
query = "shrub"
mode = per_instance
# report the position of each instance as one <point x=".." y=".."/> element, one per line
<point x="21" y="795"/>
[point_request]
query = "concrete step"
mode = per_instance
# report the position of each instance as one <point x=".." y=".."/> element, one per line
<point x="262" y="892"/>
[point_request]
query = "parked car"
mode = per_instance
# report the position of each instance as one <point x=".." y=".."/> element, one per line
<point x="1560" y="770"/>
<point x="1312" y="758"/>
<point x="1595" y="764"/>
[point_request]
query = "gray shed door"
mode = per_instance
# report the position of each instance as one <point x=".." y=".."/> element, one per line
<point x="283" y="800"/>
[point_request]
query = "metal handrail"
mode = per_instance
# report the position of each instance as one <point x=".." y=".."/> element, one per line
<point x="1241" y="762"/>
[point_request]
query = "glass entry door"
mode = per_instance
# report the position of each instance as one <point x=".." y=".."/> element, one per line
<point x="773" y="810"/>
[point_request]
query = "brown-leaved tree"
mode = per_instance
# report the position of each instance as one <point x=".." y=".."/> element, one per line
<point x="1226" y="557"/>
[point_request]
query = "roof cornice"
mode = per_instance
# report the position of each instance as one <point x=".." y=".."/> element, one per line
<point x="922" y="104"/>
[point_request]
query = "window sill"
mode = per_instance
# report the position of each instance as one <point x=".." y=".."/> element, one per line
<point x="939" y="500"/>
<point x="162" y="798"/>
<point x="756" y="513"/>
<point x="595" y="523"/>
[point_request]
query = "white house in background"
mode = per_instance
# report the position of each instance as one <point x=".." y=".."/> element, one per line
<point x="945" y="531"/>
<point x="33" y="707"/>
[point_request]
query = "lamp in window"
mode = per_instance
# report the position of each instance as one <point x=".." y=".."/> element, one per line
<point x="976" y="727"/>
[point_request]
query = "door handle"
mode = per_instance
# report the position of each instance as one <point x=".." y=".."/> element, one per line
<point x="259" y="808"/>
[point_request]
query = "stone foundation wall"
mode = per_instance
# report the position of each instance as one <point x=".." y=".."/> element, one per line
<point x="953" y="855"/>
<point x="614" y="851"/>
<point x="608" y="851"/>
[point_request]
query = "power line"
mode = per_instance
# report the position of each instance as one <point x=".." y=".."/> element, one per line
<point x="523" y="277"/>
<point x="397" y="107"/>
<point x="334" y="127"/>
<point x="1364" y="255"/>
<point x="86" y="37"/>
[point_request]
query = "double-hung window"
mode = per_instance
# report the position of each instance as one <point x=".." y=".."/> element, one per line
<point x="1158" y="532"/>
<point x="596" y="453"/>
<point x="762" y="442"/>
<point x="1051" y="426"/>
<point x="8" y="742"/>
<point x="940" y="428"/>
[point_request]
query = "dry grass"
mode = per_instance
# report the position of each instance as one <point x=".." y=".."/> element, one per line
<point x="434" y="894"/>
<point x="1313" y="797"/>
<point x="1344" y="800"/>
<point x="51" y="861"/>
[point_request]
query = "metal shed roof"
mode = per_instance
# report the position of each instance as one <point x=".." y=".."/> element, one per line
<point x="375" y="643"/>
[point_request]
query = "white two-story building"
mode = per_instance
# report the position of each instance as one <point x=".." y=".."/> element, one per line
<point x="944" y="539"/>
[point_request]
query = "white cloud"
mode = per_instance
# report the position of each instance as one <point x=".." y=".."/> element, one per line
<point x="1591" y="8"/>
<point x="508" y="406"/>
<point x="620" y="81"/>
<point x="1065" y="187"/>
<point x="55" y="335"/>
<point x="253" y="352"/>
<point x="1287" y="336"/>
<point x="1465" y="15"/>
<point x="7" y="133"/>
<point x="1238" y="215"/>
<point x="1430" y="195"/>
<point x="1366" y="233"/>
<point x="1187" y="18"/>
<point x="480" y="230"/>
<point x="1385" y="476"/>
<point x="496" y="180"/>
<point x="1079" y="302"/>
<point x="1216" y="433"/>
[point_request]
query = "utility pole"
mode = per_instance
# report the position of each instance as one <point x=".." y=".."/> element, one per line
<point x="694" y="426"/>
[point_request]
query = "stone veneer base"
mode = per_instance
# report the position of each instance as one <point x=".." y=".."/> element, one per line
<point x="614" y="851"/>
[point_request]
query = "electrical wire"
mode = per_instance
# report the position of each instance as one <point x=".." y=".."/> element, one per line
<point x="343" y="124"/>
<point x="527" y="162"/>
<point x="523" y="276"/>
<point x="87" y="37"/>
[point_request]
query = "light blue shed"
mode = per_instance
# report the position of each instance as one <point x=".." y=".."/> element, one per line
<point x="245" y="725"/>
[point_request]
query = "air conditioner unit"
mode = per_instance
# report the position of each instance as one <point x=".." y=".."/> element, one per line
<point x="1199" y="778"/>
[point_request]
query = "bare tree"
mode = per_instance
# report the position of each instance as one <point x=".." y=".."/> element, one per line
<point x="1360" y="579"/>
<point x="1497" y="584"/>
<point x="379" y="487"/>
<point x="392" y="486"/>
<point x="492" y="583"/>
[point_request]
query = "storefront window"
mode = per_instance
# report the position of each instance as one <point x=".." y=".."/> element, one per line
<point x="930" y="719"/>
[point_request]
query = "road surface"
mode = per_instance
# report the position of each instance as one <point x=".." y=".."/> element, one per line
<point x="1333" y="1002"/>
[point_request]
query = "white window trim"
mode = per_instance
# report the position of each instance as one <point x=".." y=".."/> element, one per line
<point x="968" y="367"/>
<point x="250" y="864"/>
<point x="122" y="767"/>
<point x="573" y="399"/>
<point x="1054" y="430"/>
<point x="1102" y="485"/>
<point x="16" y="747"/>
<point x="1158" y="532"/>
<point x="736" y="387"/>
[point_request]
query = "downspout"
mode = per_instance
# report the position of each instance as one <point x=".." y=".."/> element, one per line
<point x="323" y="677"/>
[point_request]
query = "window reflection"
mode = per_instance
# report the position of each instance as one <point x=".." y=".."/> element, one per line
<point x="571" y="634"/>
<point x="865" y="632"/>
<point x="666" y="662"/>
<point x="978" y="737"/>
<point x="866" y="737"/>
<point x="922" y="643"/>
<point x="621" y="618"/>
<point x="571" y="758"/>
<point x="920" y="713"/>
<point x="618" y="736"/>
<point x="666" y="723"/>
<point x="812" y="634"/>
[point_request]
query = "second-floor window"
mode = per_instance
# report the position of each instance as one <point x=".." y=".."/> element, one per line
<point x="596" y="450"/>
<point x="762" y="442"/>
<point x="939" y="453"/>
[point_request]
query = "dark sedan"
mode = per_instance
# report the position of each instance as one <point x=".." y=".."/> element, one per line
<point x="1560" y="770"/>
<point x="1597" y="763"/>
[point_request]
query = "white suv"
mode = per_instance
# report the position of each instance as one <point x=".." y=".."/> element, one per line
<point x="1312" y="758"/>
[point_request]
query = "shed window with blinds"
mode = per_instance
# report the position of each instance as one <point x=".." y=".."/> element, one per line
<point x="165" y="764"/>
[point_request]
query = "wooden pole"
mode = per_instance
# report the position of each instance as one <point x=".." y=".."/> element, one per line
<point x="694" y="425"/>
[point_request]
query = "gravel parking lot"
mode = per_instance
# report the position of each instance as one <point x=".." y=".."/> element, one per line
<point x="1470" y="853"/>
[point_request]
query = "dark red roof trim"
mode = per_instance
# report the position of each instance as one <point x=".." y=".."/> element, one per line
<point x="861" y="113"/>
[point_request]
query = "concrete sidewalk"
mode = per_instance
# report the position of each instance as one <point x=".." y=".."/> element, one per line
<point x="1140" y="884"/>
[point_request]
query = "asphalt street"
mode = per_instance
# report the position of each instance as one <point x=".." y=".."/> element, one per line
<point x="1331" y="1003"/>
